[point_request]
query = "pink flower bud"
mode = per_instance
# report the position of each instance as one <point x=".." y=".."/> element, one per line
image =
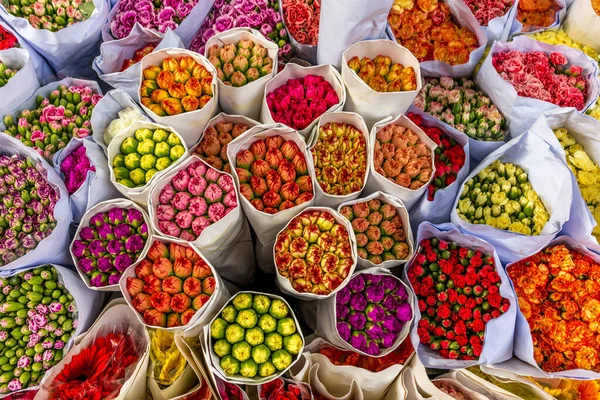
<point x="169" y="228"/>
<point x="184" y="219"/>
<point x="166" y="194"/>
<point x="198" y="224"/>
<point x="181" y="180"/>
<point x="165" y="213"/>
<point x="230" y="199"/>
<point x="181" y="201"/>
<point x="216" y="212"/>
<point x="196" y="185"/>
<point x="197" y="206"/>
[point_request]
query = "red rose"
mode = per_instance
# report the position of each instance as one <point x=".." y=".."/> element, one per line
<point x="450" y="335"/>
<point x="476" y="313"/>
<point x="452" y="295"/>
<point x="477" y="350"/>
<point x="431" y="256"/>
<point x="474" y="340"/>
<point x="471" y="303"/>
<point x="423" y="324"/>
<point x="462" y="253"/>
<point x="493" y="289"/>
<point x="462" y="340"/>
<point x="439" y="331"/>
<point x="495" y="300"/>
<point x="465" y="313"/>
<point x="446" y="267"/>
<point x="478" y="325"/>
<point x="459" y="281"/>
<point x="444" y="312"/>
<point x="471" y="278"/>
<point x="430" y="300"/>
<point x="422" y="306"/>
<point x="460" y="328"/>
<point x="462" y="299"/>
<point x="421" y="259"/>
<point x="423" y="335"/>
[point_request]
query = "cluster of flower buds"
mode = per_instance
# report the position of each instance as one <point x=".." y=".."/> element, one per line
<point x="6" y="73"/>
<point x="213" y="145"/>
<point x="177" y="86"/>
<point x="26" y="209"/>
<point x="340" y="156"/>
<point x="7" y="39"/>
<point x="74" y="169"/>
<point x="195" y="198"/>
<point x="113" y="241"/>
<point x="274" y="175"/>
<point x="238" y="65"/>
<point x="384" y="76"/>
<point x="51" y="15"/>
<point x="137" y="56"/>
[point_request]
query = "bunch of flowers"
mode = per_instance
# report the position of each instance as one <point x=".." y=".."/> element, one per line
<point x="302" y="19"/>
<point x="373" y="364"/>
<point x="487" y="10"/>
<point x="283" y="389"/>
<point x="167" y="361"/>
<point x="544" y="77"/>
<point x="560" y="38"/>
<point x="427" y="30"/>
<point x="195" y="198"/>
<point x="594" y="110"/>
<point x="74" y="168"/>
<point x="6" y="73"/>
<point x="51" y="15"/>
<point x="143" y="155"/>
<point x="586" y="171"/>
<point x="458" y="292"/>
<point x="213" y="145"/>
<point x="502" y="197"/>
<point x="158" y="15"/>
<point x="98" y="370"/>
<point x="340" y="157"/>
<point x="241" y="64"/>
<point x="379" y="231"/>
<point x="383" y="76"/>
<point x="300" y="101"/>
<point x="126" y="117"/>
<point x="314" y="252"/>
<point x="27" y="207"/>
<point x="460" y="104"/>
<point x="137" y="56"/>
<point x="112" y="241"/>
<point x="255" y="335"/>
<point x="371" y="312"/>
<point x="452" y="388"/>
<point x="170" y="285"/>
<point x="535" y="14"/>
<point x="402" y="157"/>
<point x="64" y="114"/>
<point x="7" y="39"/>
<point x="554" y="289"/>
<point x="449" y="157"/>
<point x="37" y="320"/>
<point x="274" y="175"/>
<point x="262" y="15"/>
<point x="178" y="86"/>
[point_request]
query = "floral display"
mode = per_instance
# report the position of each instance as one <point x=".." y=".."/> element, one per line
<point x="255" y="336"/>
<point x="213" y="145"/>
<point x="516" y="207"/>
<point x="7" y="39"/>
<point x="460" y="104"/>
<point x="167" y="361"/>
<point x="485" y="10"/>
<point x="380" y="234"/>
<point x="64" y="114"/>
<point x="373" y="364"/>
<point x="262" y="15"/>
<point x="98" y="370"/>
<point x="170" y="285"/>
<point x="240" y="64"/>
<point x="314" y="253"/>
<point x="371" y="312"/>
<point x="426" y="29"/>
<point x="6" y="73"/>
<point x="195" y="198"/>
<point x="544" y="77"/>
<point x="74" y="169"/>
<point x="158" y="15"/>
<point x="137" y="56"/>
<point x="552" y="287"/>
<point x="567" y="389"/>
<point x="281" y="389"/>
<point x="38" y="317"/>
<point x="144" y="154"/>
<point x="177" y="86"/>
<point x="52" y="16"/>
<point x="27" y="208"/>
<point x="273" y="175"/>
<point x="383" y="76"/>
<point x="449" y="387"/>
<point x="560" y="38"/>
<point x="449" y="157"/>
<point x="109" y="244"/>
<point x="299" y="102"/>
<point x="126" y="117"/>
<point x="458" y="292"/>
<point x="340" y="158"/>
<point x="586" y="172"/>
<point x="535" y="14"/>
<point x="302" y="20"/>
<point x="402" y="157"/>
<point x="518" y="388"/>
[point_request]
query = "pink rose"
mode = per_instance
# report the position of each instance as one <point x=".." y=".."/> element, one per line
<point x="52" y="113"/>
<point x="37" y="135"/>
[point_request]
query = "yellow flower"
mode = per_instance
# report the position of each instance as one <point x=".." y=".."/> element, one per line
<point x="561" y="38"/>
<point x="168" y="362"/>
<point x="594" y="111"/>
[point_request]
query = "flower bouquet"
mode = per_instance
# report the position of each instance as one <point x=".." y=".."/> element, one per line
<point x="373" y="86"/>
<point x="561" y="38"/>
<point x="301" y="18"/>
<point x="315" y="254"/>
<point x="536" y="15"/>
<point x="529" y="212"/>
<point x="581" y="23"/>
<point x="169" y="371"/>
<point x="298" y="96"/>
<point x="111" y="236"/>
<point x="281" y="388"/>
<point x="466" y="309"/>
<point x="340" y="154"/>
<point x="18" y="79"/>
<point x="245" y="61"/>
<point x="403" y="160"/>
<point x="254" y="339"/>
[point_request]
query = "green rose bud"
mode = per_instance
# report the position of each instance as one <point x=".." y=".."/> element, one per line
<point x="145" y="147"/>
<point x="266" y="369"/>
<point x="176" y="152"/>
<point x="119" y="160"/>
<point x="241" y="351"/>
<point x="121" y="173"/>
<point x="138" y="176"/>
<point x="278" y="309"/>
<point x="248" y="369"/>
<point x="267" y="323"/>
<point x="229" y="314"/>
<point x="129" y="146"/>
<point x="247" y="318"/>
<point x="217" y="328"/>
<point x="230" y="365"/>
<point x="242" y="301"/>
<point x="162" y="149"/>
<point x="142" y="134"/>
<point x="254" y="336"/>
<point x="286" y="326"/>
<point x="274" y="341"/>
<point x="173" y="140"/>
<point x="234" y="333"/>
<point x="147" y="162"/>
<point x="150" y="173"/>
<point x="281" y="359"/>
<point x="163" y="163"/>
<point x="132" y="161"/>
<point x="293" y="343"/>
<point x="159" y="136"/>
<point x="222" y="347"/>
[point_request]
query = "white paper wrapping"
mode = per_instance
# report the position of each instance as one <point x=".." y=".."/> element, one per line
<point x="551" y="180"/>
<point x="23" y="84"/>
<point x="522" y="112"/>
<point x="245" y="100"/>
<point x="582" y="24"/>
<point x="481" y="386"/>
<point x="377" y="182"/>
<point x="189" y="124"/>
<point x="371" y="105"/>
<point x="295" y="71"/>
<point x="417" y="383"/>
<point x="499" y="28"/>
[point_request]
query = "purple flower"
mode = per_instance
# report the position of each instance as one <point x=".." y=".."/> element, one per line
<point x="105" y="264"/>
<point x="87" y="264"/>
<point x="389" y="302"/>
<point x="115" y="247"/>
<point x="37" y="357"/>
<point x="134" y="244"/>
<point x="105" y="232"/>
<point x="23" y="361"/>
<point x="356" y="320"/>
<point x="343" y="329"/>
<point x="175" y="4"/>
<point x="387" y="339"/>
<point x="114" y="278"/>
<point x="223" y="23"/>
<point x="401" y="293"/>
<point x="389" y="283"/>
<point x="42" y="309"/>
<point x="184" y="10"/>
<point x="88" y="233"/>
<point x="134" y="217"/>
<point x="219" y="4"/>
<point x="244" y="6"/>
<point x="373" y="330"/>
<point x="357" y="284"/>
<point x="123" y="231"/>
<point x="208" y="34"/>
<point x="275" y="17"/>
<point x="373" y="279"/>
<point x="242" y="21"/>
<point x="341" y="311"/>
<point x="143" y="5"/>
<point x="343" y="296"/>
<point x="98" y="279"/>
<point x="116" y="216"/>
<point x="358" y="302"/>
<point x="374" y="312"/>
<point x="123" y="261"/>
<point x="167" y="25"/>
<point x="391" y="324"/>
<point x="166" y="15"/>
<point x="28" y="242"/>
<point x="372" y="348"/>
<point x="55" y="307"/>
<point x="404" y="312"/>
<point x="265" y="29"/>
<point x="59" y="344"/>
<point x="374" y="293"/>
<point x="48" y="355"/>
<point x="143" y="231"/>
<point x="358" y="340"/>
<point x="255" y="18"/>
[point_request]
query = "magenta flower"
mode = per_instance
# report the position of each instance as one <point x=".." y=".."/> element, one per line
<point x="387" y="339"/>
<point x="404" y="312"/>
<point x="122" y="261"/>
<point x="341" y="311"/>
<point x="358" y="340"/>
<point x="134" y="217"/>
<point x="105" y="232"/>
<point x="115" y="247"/>
<point x="357" y="284"/>
<point x="374" y="293"/>
<point x="401" y="293"/>
<point x="391" y="324"/>
<point x="356" y="320"/>
<point x="80" y="249"/>
<point x="116" y="216"/>
<point x="343" y="296"/>
<point x="344" y="330"/>
<point x="389" y="283"/>
<point x="358" y="302"/>
<point x="135" y="244"/>
<point x="374" y="313"/>
<point x="105" y="264"/>
<point x="389" y="302"/>
<point x="122" y="231"/>
<point x="372" y="348"/>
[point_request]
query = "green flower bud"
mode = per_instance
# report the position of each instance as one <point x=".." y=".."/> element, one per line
<point x="129" y="146"/>
<point x="176" y="152"/>
<point x="119" y="160"/>
<point x="173" y="140"/>
<point x="281" y="359"/>
<point x="147" y="162"/>
<point x="150" y="173"/>
<point x="217" y="328"/>
<point x="160" y="136"/>
<point x="163" y="163"/>
<point x="241" y="351"/>
<point x="248" y="369"/>
<point x="162" y="149"/>
<point x="121" y="173"/>
<point x="242" y="301"/>
<point x="230" y="365"/>
<point x="145" y="147"/>
<point x="142" y="134"/>
<point x="266" y="369"/>
<point x="138" y="177"/>
<point x="229" y="314"/>
<point x="222" y="348"/>
<point x="274" y="341"/>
